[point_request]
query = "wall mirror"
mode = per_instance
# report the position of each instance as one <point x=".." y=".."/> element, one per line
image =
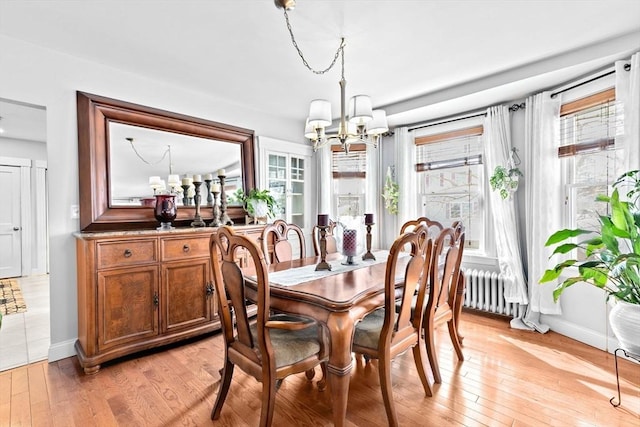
<point x="124" y="149"/>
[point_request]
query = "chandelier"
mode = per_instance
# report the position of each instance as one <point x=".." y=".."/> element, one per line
<point x="362" y="125"/>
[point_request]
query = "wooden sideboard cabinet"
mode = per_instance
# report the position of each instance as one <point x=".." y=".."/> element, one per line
<point x="142" y="289"/>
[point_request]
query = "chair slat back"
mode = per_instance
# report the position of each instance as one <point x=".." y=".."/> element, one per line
<point x="418" y="246"/>
<point x="445" y="272"/>
<point x="434" y="227"/>
<point x="230" y="286"/>
<point x="278" y="233"/>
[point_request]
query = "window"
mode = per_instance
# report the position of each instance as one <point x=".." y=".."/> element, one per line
<point x="349" y="180"/>
<point x="588" y="127"/>
<point x="450" y="181"/>
<point x="588" y="130"/>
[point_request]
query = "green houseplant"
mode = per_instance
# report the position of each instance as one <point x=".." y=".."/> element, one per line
<point x="258" y="203"/>
<point x="504" y="180"/>
<point x="612" y="257"/>
<point x="390" y="194"/>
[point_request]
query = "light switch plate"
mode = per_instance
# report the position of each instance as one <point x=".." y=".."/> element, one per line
<point x="75" y="212"/>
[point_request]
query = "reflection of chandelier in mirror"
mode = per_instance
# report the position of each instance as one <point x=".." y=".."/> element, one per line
<point x="364" y="125"/>
<point x="155" y="182"/>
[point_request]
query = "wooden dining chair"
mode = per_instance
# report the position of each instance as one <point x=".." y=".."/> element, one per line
<point x="434" y="227"/>
<point x="383" y="334"/>
<point x="275" y="241"/>
<point x="269" y="348"/>
<point x="330" y="238"/>
<point x="446" y="290"/>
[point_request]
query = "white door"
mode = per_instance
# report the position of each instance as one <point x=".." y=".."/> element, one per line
<point x="10" y="227"/>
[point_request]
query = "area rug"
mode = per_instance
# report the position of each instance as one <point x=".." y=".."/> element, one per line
<point x="11" y="300"/>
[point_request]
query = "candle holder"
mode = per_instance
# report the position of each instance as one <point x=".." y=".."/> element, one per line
<point x="207" y="182"/>
<point x="323" y="264"/>
<point x="197" y="221"/>
<point x="224" y="218"/>
<point x="368" y="254"/>
<point x="349" y="245"/>
<point x="185" y="197"/>
<point x="216" y="211"/>
<point x="165" y="210"/>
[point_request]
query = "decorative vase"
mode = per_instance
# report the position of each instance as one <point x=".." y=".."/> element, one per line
<point x="165" y="210"/>
<point x="624" y="318"/>
<point x="260" y="210"/>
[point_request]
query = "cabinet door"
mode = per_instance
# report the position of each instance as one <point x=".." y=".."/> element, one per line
<point x="187" y="294"/>
<point x="127" y="305"/>
<point x="286" y="181"/>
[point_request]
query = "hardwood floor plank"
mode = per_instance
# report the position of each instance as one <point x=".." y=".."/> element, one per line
<point x="5" y="397"/>
<point x="509" y="378"/>
<point x="38" y="397"/>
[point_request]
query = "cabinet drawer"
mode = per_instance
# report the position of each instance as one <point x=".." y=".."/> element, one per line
<point x="117" y="254"/>
<point x="184" y="248"/>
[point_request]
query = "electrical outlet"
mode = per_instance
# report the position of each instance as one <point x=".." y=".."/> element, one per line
<point x="75" y="211"/>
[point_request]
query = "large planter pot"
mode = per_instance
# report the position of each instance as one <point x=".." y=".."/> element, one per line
<point x="625" y="323"/>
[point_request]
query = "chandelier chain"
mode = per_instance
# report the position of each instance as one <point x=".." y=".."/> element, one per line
<point x="167" y="151"/>
<point x="304" y="61"/>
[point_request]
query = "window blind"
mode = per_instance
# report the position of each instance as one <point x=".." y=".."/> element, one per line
<point x="352" y="165"/>
<point x="589" y="124"/>
<point x="460" y="147"/>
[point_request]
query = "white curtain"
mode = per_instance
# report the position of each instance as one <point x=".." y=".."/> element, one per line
<point x="406" y="177"/>
<point x="497" y="148"/>
<point x="372" y="191"/>
<point x="628" y="97"/>
<point x="543" y="202"/>
<point x="325" y="181"/>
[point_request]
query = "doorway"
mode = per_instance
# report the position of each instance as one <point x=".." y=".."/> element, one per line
<point x="24" y="336"/>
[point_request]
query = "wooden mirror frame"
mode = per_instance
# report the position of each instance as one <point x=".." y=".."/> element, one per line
<point x="94" y="115"/>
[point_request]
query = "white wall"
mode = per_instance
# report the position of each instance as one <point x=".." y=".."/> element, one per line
<point x="24" y="149"/>
<point x="44" y="77"/>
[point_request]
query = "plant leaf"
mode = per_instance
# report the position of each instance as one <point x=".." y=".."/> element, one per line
<point x="565" y="234"/>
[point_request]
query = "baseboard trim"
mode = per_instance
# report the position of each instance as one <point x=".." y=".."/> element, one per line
<point x="580" y="333"/>
<point x="62" y="350"/>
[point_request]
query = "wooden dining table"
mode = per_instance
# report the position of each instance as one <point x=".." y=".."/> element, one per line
<point x="337" y="299"/>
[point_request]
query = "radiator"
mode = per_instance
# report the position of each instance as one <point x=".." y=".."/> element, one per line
<point x="485" y="292"/>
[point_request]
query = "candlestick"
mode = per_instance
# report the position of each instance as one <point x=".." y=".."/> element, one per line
<point x="222" y="172"/>
<point x="224" y="218"/>
<point x="368" y="254"/>
<point x="207" y="182"/>
<point x="197" y="178"/>
<point x="208" y="177"/>
<point x="216" y="210"/>
<point x="197" y="221"/>
<point x="185" y="196"/>
<point x="323" y="264"/>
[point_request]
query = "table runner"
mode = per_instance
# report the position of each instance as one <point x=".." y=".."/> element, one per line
<point x="295" y="276"/>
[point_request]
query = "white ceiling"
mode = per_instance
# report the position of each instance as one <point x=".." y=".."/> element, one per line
<point x="417" y="59"/>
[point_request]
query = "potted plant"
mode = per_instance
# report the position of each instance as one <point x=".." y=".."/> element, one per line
<point x="612" y="259"/>
<point x="505" y="180"/>
<point x="259" y="204"/>
<point x="390" y="194"/>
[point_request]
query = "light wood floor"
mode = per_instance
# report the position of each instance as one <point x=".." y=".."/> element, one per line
<point x="509" y="378"/>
